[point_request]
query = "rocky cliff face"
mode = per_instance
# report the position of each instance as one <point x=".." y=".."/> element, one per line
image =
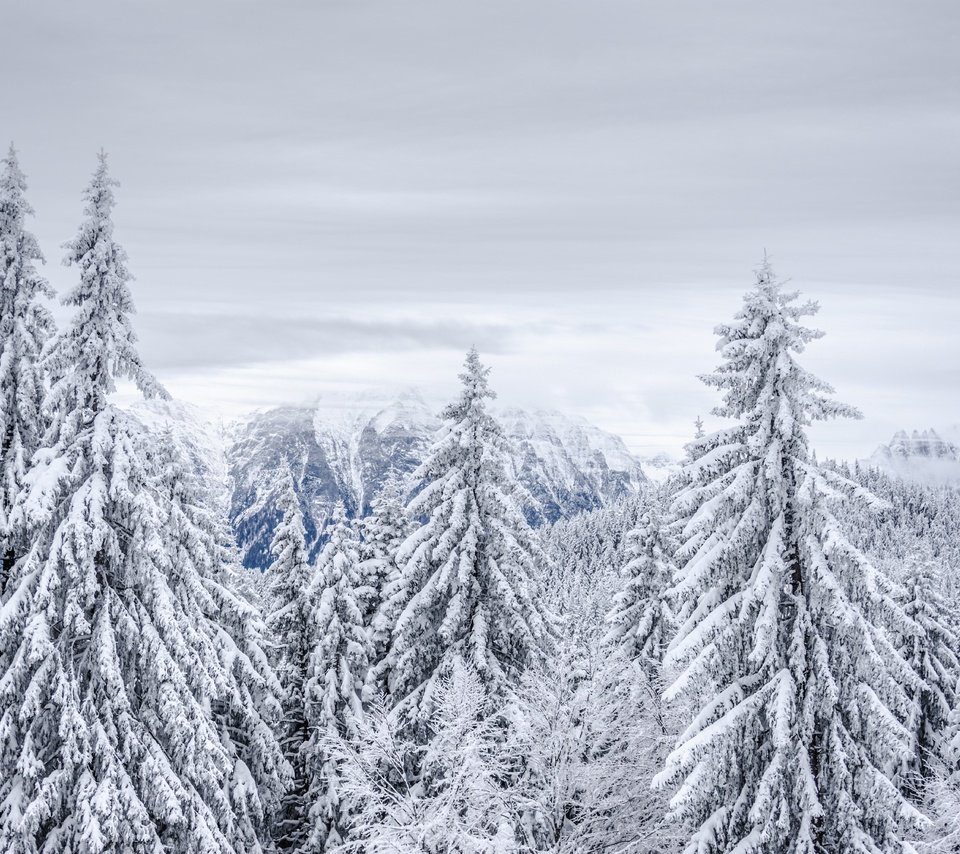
<point x="566" y="465"/>
<point x="923" y="455"/>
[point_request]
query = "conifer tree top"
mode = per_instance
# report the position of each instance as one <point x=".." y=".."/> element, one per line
<point x="13" y="206"/>
<point x="18" y="248"/>
<point x="25" y="327"/>
<point x="99" y="345"/>
<point x="759" y="371"/>
<point x="468" y="576"/>
<point x="475" y="387"/>
<point x="784" y="630"/>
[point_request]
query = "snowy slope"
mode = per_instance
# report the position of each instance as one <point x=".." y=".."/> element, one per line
<point x="362" y="442"/>
<point x="923" y="456"/>
<point x="568" y="464"/>
<point x="342" y="449"/>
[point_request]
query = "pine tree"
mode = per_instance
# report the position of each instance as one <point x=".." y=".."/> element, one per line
<point x="469" y="575"/>
<point x="335" y="682"/>
<point x="698" y="431"/>
<point x="462" y="807"/>
<point x="25" y="327"/>
<point x="932" y="653"/>
<point x="244" y="705"/>
<point x="640" y="620"/>
<point x="382" y="533"/>
<point x="786" y="643"/>
<point x="107" y="738"/>
<point x="289" y="612"/>
<point x="587" y="730"/>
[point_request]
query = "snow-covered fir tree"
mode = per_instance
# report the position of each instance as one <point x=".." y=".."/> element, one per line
<point x="698" y="431"/>
<point x="588" y="733"/>
<point x="640" y="620"/>
<point x="108" y="741"/>
<point x="245" y="707"/>
<point x="25" y="327"/>
<point x="460" y="805"/>
<point x="932" y="653"/>
<point x="382" y="533"/>
<point x="336" y="678"/>
<point x="469" y="575"/>
<point x="289" y="611"/>
<point x="587" y="730"/>
<point x="786" y="647"/>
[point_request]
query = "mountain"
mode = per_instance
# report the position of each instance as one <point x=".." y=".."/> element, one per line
<point x="568" y="465"/>
<point x="199" y="435"/>
<point x="659" y="468"/>
<point x="922" y="456"/>
<point x="334" y="456"/>
<point x="342" y="451"/>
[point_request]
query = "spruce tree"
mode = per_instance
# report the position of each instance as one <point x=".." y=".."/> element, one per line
<point x="932" y="653"/>
<point x="337" y="674"/>
<point x="288" y="620"/>
<point x="108" y="738"/>
<point x="640" y="619"/>
<point x="25" y="327"/>
<point x="698" y="431"/>
<point x="468" y="581"/>
<point x="244" y="703"/>
<point x="382" y="533"/>
<point x="785" y="645"/>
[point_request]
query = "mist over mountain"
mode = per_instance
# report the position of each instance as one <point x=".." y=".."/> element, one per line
<point x="924" y="456"/>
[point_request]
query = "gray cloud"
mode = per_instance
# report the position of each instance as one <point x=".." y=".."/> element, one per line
<point x="178" y="340"/>
<point x="425" y="172"/>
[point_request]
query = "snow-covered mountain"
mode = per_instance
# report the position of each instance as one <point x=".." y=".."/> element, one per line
<point x="200" y="435"/>
<point x="343" y="451"/>
<point x="568" y="464"/>
<point x="659" y="468"/>
<point x="923" y="455"/>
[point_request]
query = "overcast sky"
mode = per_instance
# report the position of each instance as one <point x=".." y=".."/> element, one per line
<point x="332" y="194"/>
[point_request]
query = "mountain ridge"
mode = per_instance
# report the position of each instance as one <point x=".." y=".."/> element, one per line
<point x="923" y="456"/>
<point x="564" y="464"/>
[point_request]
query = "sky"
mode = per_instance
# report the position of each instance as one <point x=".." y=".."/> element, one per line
<point x="320" y="197"/>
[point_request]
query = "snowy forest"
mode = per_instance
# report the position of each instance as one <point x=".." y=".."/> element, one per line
<point x="759" y="652"/>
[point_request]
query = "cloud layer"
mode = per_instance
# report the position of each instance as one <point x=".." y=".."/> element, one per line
<point x="340" y="192"/>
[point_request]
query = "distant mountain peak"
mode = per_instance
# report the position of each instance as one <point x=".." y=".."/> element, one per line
<point x="342" y="447"/>
<point x="921" y="455"/>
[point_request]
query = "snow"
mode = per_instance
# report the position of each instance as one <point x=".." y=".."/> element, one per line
<point x="923" y="456"/>
<point x="744" y="607"/>
<point x="565" y="445"/>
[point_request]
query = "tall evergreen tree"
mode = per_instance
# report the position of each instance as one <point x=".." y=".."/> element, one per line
<point x="640" y="620"/>
<point x="108" y="741"/>
<point x="932" y="653"/>
<point x="469" y="575"/>
<point x="382" y="533"/>
<point x="802" y="696"/>
<point x="288" y="619"/>
<point x="335" y="681"/>
<point x="25" y="327"/>
<point x="244" y="704"/>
